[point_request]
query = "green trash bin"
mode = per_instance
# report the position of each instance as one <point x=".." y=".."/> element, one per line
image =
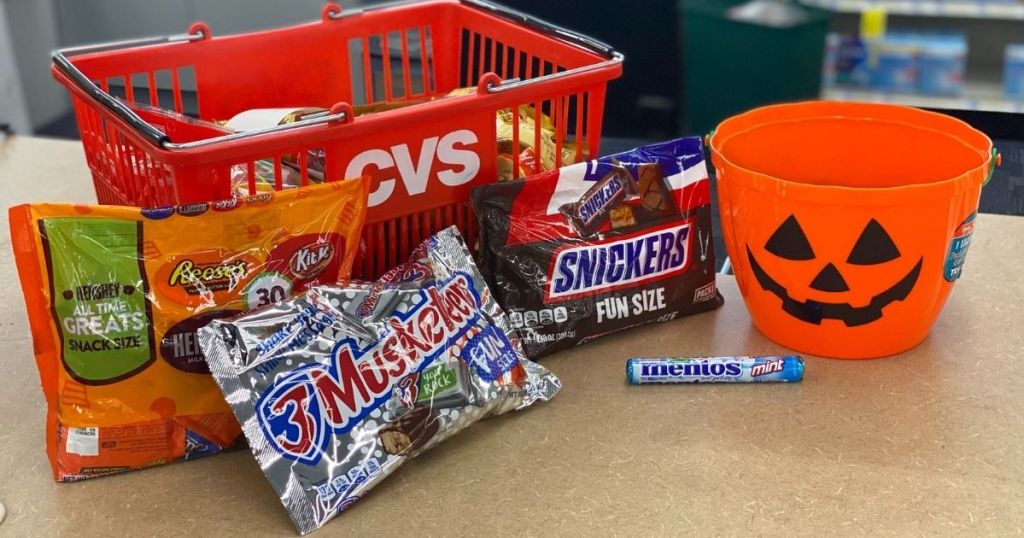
<point x="731" y="66"/>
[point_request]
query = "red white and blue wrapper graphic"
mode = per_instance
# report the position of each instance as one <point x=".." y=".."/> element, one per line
<point x="337" y="388"/>
<point x="600" y="246"/>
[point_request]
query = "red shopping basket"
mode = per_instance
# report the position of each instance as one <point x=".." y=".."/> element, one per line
<point x="424" y="158"/>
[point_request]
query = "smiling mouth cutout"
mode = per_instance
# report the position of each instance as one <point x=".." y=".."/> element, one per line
<point x="813" y="311"/>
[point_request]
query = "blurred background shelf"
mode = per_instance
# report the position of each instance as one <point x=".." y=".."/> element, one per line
<point x="681" y="54"/>
<point x="987" y="28"/>
<point x="977" y="95"/>
<point x="929" y="8"/>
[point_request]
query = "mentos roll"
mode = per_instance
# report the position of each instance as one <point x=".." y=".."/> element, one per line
<point x="769" y="369"/>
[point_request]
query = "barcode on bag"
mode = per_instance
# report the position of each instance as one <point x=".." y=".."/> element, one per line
<point x="83" y="441"/>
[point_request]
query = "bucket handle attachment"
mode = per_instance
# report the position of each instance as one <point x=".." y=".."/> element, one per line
<point x="995" y="162"/>
<point x="708" y="137"/>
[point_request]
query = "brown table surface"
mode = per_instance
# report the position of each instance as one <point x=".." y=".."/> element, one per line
<point x="929" y="442"/>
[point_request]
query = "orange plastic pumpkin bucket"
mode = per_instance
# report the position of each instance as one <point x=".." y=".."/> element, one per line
<point x="847" y="223"/>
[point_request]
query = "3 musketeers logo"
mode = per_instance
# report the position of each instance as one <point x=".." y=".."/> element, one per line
<point x="300" y="411"/>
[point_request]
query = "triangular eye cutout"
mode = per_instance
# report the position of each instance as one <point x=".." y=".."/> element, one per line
<point x="874" y="246"/>
<point x="790" y="242"/>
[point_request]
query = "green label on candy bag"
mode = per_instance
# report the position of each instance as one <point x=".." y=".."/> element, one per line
<point x="434" y="381"/>
<point x="98" y="290"/>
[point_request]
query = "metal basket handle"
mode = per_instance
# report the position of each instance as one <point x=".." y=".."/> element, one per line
<point x="546" y="27"/>
<point x="119" y="108"/>
<point x="198" y="32"/>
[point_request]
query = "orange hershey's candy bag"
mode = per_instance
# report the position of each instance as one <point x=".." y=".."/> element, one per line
<point x="115" y="296"/>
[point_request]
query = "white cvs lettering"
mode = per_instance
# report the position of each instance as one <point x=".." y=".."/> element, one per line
<point x="463" y="164"/>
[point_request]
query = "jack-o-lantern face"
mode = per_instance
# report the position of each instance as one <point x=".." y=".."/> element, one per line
<point x="873" y="247"/>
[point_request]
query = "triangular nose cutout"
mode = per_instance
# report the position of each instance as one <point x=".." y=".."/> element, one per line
<point x="829" y="279"/>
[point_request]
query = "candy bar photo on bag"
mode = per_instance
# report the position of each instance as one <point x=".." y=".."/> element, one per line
<point x="601" y="246"/>
<point x="333" y="402"/>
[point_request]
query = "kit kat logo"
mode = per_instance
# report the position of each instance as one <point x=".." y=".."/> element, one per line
<point x="618" y="262"/>
<point x="309" y="261"/>
<point x="303" y="409"/>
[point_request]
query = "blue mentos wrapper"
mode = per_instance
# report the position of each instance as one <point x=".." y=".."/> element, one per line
<point x="769" y="369"/>
<point x="601" y="246"/>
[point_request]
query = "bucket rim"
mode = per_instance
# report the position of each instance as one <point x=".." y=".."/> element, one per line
<point x="988" y="154"/>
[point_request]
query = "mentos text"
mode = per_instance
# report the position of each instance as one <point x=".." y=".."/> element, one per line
<point x="593" y="268"/>
<point x="677" y="370"/>
<point x="301" y="410"/>
<point x="213" y="277"/>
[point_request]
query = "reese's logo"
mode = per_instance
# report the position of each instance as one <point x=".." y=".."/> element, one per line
<point x="205" y="275"/>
